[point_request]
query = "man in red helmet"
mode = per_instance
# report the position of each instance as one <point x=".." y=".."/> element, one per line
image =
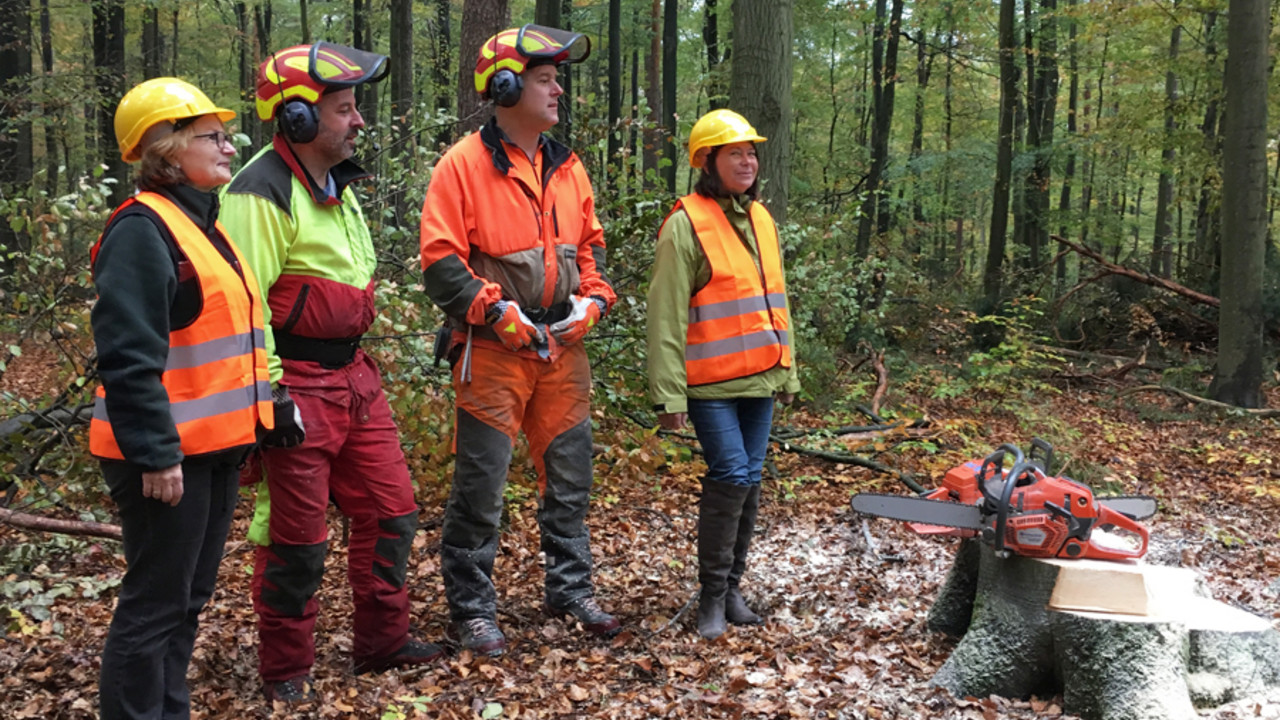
<point x="514" y="255"/>
<point x="293" y="210"/>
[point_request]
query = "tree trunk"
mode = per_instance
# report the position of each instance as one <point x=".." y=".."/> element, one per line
<point x="670" y="35"/>
<point x="17" y="167"/>
<point x="152" y="51"/>
<point x="262" y="35"/>
<point x="991" y="276"/>
<point x="1069" y="172"/>
<point x="247" y="67"/>
<point x="715" y="87"/>
<point x="862" y="245"/>
<point x="52" y="110"/>
<point x="1041" y="116"/>
<point x="1208" y="213"/>
<point x="924" y="63"/>
<point x="1148" y="648"/>
<point x="1238" y="376"/>
<point x="304" y="19"/>
<point x="401" y="80"/>
<point x="615" y="160"/>
<point x="547" y="13"/>
<point x="442" y="56"/>
<point x="760" y="89"/>
<point x="108" y="61"/>
<point x="1161" y="243"/>
<point x="481" y="19"/>
<point x="884" y="115"/>
<point x="653" y="89"/>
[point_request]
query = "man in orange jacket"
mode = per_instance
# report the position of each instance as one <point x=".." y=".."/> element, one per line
<point x="514" y="255"/>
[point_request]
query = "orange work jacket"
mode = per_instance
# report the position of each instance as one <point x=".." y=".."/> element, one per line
<point x="216" y="373"/>
<point x="738" y="323"/>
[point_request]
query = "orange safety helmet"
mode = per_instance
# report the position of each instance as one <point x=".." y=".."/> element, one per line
<point x="305" y="72"/>
<point x="505" y="56"/>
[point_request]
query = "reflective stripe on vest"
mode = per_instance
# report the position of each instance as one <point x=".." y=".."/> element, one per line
<point x="216" y="370"/>
<point x="738" y="322"/>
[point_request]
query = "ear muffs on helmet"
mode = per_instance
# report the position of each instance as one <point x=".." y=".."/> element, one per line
<point x="299" y="121"/>
<point x="505" y="88"/>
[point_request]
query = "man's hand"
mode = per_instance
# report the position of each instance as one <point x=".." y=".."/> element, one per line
<point x="514" y="328"/>
<point x="163" y="485"/>
<point x="673" y="421"/>
<point x="585" y="314"/>
<point x="289" y="431"/>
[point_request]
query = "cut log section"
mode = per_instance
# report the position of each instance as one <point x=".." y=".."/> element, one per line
<point x="1118" y="640"/>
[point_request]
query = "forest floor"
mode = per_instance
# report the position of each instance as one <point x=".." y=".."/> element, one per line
<point x="845" y="636"/>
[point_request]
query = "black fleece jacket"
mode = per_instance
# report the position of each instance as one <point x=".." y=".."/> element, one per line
<point x="140" y="299"/>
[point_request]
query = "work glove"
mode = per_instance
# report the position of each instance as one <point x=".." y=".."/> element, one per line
<point x="514" y="328"/>
<point x="288" y="431"/>
<point x="583" y="316"/>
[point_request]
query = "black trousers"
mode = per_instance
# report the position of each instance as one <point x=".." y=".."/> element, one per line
<point x="173" y="554"/>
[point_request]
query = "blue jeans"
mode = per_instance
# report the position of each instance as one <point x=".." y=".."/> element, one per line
<point x="734" y="434"/>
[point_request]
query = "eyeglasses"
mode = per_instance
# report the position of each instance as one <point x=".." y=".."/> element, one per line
<point x="218" y="137"/>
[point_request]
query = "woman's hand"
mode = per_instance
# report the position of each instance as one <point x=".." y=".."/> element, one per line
<point x="673" y="421"/>
<point x="163" y="485"/>
<point x="785" y="398"/>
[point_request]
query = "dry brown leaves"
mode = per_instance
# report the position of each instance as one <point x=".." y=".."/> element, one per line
<point x="845" y="636"/>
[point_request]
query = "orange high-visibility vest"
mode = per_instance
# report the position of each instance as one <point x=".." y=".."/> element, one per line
<point x="738" y="323"/>
<point x="216" y="372"/>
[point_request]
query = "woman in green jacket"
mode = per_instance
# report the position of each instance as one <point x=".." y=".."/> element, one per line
<point x="719" y="348"/>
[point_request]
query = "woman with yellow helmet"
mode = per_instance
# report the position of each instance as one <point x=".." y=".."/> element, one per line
<point x="184" y="394"/>
<point x="719" y="348"/>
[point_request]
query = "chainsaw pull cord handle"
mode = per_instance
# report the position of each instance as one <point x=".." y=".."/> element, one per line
<point x="995" y="461"/>
<point x="1006" y="501"/>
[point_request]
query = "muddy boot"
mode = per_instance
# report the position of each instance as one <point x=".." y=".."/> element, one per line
<point x="735" y="607"/>
<point x="719" y="512"/>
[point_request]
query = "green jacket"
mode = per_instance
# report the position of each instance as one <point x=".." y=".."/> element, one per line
<point x="679" y="270"/>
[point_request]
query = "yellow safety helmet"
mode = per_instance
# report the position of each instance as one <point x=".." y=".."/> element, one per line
<point x="718" y="127"/>
<point x="159" y="100"/>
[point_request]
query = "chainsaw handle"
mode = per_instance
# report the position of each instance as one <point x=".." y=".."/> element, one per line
<point x="1041" y="454"/>
<point x="1113" y="518"/>
<point x="995" y="461"/>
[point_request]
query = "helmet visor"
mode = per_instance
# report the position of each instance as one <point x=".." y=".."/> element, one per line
<point x="547" y="44"/>
<point x="339" y="66"/>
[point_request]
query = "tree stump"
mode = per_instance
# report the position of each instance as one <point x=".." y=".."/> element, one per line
<point x="1119" y="641"/>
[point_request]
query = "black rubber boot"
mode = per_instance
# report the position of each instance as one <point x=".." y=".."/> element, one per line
<point x="735" y="607"/>
<point x="719" y="512"/>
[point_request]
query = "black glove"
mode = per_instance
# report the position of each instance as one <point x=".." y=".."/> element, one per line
<point x="288" y="431"/>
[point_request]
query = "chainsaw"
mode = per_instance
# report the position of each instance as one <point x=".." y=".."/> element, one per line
<point x="1022" y="510"/>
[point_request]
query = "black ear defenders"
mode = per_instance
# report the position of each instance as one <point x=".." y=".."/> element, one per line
<point x="299" y="121"/>
<point x="505" y="88"/>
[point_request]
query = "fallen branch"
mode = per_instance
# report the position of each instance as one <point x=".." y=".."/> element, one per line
<point x="1253" y="412"/>
<point x="28" y="521"/>
<point x="882" y="381"/>
<point x="1142" y="277"/>
<point x="1115" y="360"/>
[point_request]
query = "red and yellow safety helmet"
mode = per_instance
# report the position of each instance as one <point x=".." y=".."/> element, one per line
<point x="517" y="49"/>
<point x="305" y="72"/>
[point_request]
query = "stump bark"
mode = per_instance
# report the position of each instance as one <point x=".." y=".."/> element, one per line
<point x="1119" y="641"/>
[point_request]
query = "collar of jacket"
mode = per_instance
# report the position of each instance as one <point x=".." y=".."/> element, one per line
<point x="344" y="173"/>
<point x="553" y="153"/>
<point x="201" y="207"/>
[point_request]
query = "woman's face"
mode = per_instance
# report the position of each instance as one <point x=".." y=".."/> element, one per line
<point x="737" y="166"/>
<point x="206" y="160"/>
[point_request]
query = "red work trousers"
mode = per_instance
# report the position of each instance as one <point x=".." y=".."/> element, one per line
<point x="351" y="454"/>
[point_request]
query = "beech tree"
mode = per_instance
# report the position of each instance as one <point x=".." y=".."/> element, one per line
<point x="760" y="89"/>
<point x="1238" y="376"/>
